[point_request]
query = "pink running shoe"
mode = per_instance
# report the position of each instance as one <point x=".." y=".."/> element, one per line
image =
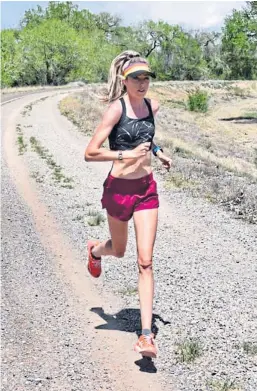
<point x="146" y="346"/>
<point x="94" y="264"/>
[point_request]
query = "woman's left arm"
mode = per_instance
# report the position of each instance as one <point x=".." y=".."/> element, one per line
<point x="166" y="161"/>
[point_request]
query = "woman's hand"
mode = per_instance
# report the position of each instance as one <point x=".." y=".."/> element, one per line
<point x="166" y="161"/>
<point x="140" y="151"/>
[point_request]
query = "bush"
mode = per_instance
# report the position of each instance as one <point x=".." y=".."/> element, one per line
<point x="198" y="101"/>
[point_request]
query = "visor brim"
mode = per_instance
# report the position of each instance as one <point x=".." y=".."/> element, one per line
<point x="143" y="72"/>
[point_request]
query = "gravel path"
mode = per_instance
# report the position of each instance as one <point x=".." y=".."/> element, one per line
<point x="41" y="338"/>
<point x="205" y="270"/>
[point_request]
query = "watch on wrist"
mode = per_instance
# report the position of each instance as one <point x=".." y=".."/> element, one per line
<point x="120" y="155"/>
<point x="156" y="149"/>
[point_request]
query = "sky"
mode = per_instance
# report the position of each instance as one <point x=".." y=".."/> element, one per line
<point x="200" y="15"/>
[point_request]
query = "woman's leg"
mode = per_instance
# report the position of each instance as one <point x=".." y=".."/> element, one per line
<point x="115" y="246"/>
<point x="145" y="222"/>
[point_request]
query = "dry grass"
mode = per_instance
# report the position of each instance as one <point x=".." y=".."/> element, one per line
<point x="84" y="110"/>
<point x="214" y="153"/>
<point x="13" y="90"/>
<point x="250" y="348"/>
<point x="213" y="158"/>
<point x="18" y="90"/>
<point x="95" y="218"/>
<point x="129" y="291"/>
<point x="188" y="351"/>
<point x="223" y="385"/>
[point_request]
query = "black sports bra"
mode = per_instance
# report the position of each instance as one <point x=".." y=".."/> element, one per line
<point x="128" y="133"/>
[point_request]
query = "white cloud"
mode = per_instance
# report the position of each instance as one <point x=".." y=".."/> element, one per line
<point x="190" y="14"/>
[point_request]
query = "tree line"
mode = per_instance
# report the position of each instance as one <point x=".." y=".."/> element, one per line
<point x="61" y="44"/>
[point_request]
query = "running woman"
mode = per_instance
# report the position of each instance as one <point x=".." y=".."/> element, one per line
<point x="129" y="189"/>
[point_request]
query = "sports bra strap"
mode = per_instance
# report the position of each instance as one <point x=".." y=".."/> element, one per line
<point x="123" y="107"/>
<point x="148" y="104"/>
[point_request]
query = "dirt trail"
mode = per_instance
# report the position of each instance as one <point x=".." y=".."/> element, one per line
<point x="110" y="350"/>
<point x="205" y="274"/>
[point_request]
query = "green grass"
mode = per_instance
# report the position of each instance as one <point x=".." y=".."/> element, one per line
<point x="28" y="108"/>
<point x="22" y="145"/>
<point x="35" y="175"/>
<point x="188" y="351"/>
<point x="223" y="385"/>
<point x="250" y="348"/>
<point x="176" y="180"/>
<point x="95" y="218"/>
<point x="250" y="115"/>
<point x="36" y="146"/>
<point x="57" y="173"/>
<point x="130" y="291"/>
<point x="20" y="140"/>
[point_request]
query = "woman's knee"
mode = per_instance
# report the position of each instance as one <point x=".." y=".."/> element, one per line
<point x="145" y="264"/>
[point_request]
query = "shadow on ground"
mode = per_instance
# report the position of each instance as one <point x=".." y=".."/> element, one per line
<point x="128" y="320"/>
<point x="241" y="120"/>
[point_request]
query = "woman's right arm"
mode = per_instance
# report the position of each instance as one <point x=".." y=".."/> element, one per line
<point x="94" y="151"/>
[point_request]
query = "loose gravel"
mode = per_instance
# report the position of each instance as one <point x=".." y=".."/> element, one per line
<point x="204" y="263"/>
<point x="41" y="336"/>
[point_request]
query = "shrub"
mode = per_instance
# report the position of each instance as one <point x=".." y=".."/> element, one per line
<point x="198" y="101"/>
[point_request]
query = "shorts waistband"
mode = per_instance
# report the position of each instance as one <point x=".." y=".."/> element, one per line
<point x="144" y="179"/>
<point x="128" y="186"/>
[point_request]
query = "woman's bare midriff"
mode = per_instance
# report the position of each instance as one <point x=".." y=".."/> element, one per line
<point x="132" y="168"/>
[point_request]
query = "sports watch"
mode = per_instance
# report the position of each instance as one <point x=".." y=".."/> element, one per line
<point x="156" y="149"/>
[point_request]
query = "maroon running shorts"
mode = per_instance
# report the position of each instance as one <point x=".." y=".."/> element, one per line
<point x="122" y="197"/>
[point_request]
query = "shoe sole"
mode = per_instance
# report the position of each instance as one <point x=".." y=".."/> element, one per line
<point x="148" y="354"/>
<point x="145" y="353"/>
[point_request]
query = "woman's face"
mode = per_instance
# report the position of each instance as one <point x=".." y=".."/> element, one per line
<point x="137" y="86"/>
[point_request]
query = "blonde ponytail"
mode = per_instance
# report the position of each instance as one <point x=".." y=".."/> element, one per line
<point x="116" y="88"/>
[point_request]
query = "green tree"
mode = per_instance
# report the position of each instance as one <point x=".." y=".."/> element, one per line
<point x="69" y="13"/>
<point x="210" y="44"/>
<point x="9" y="68"/>
<point x="33" y="17"/>
<point x="61" y="11"/>
<point x="47" y="53"/>
<point x="107" y="22"/>
<point x="239" y="43"/>
<point x="175" y="53"/>
<point x="95" y="54"/>
<point x="61" y="43"/>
